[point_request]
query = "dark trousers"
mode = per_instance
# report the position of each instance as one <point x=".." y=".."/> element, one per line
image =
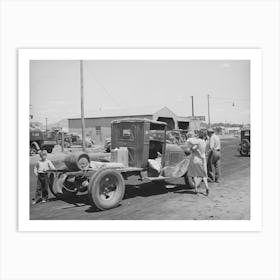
<point x="214" y="165"/>
<point x="42" y="186"/>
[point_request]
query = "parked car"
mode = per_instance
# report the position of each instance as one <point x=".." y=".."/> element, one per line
<point x="244" y="146"/>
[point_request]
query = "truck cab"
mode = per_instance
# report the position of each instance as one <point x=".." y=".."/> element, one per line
<point x="145" y="140"/>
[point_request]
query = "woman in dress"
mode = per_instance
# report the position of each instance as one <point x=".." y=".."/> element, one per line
<point x="197" y="170"/>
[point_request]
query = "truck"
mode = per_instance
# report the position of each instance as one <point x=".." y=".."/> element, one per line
<point x="244" y="146"/>
<point x="39" y="141"/>
<point x="104" y="182"/>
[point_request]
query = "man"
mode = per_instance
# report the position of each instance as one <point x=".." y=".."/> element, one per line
<point x="214" y="157"/>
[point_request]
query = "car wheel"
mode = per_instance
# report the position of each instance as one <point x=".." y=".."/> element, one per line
<point x="106" y="189"/>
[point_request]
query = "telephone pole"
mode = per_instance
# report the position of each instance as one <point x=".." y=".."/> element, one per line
<point x="82" y="103"/>
<point x="192" y="106"/>
<point x="46" y="127"/>
<point x="208" y="105"/>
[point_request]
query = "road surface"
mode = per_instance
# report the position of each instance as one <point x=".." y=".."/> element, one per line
<point x="228" y="200"/>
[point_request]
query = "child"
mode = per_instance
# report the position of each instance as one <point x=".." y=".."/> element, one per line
<point x="40" y="168"/>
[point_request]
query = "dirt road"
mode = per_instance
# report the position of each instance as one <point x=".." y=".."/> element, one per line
<point x="228" y="200"/>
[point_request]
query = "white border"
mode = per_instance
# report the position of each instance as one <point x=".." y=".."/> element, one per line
<point x="24" y="57"/>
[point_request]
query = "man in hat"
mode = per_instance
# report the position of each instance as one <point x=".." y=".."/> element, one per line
<point x="214" y="156"/>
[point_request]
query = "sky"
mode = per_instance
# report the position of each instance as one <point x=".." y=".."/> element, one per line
<point x="116" y="84"/>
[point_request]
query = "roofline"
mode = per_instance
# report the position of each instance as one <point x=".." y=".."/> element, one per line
<point x="137" y="120"/>
<point x="150" y="115"/>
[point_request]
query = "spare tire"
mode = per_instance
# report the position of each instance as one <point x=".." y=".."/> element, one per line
<point x="77" y="161"/>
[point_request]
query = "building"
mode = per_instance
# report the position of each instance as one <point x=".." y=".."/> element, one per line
<point x="98" y="125"/>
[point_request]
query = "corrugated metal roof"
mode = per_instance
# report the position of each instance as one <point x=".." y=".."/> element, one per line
<point x="138" y="120"/>
<point x="122" y="112"/>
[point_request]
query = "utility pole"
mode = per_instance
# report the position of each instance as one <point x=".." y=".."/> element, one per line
<point x="208" y="104"/>
<point x="62" y="140"/>
<point x="82" y="103"/>
<point x="192" y="107"/>
<point x="46" y="127"/>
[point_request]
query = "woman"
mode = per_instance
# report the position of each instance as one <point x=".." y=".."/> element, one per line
<point x="197" y="170"/>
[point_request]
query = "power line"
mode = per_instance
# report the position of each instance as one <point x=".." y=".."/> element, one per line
<point x="224" y="98"/>
<point x="103" y="87"/>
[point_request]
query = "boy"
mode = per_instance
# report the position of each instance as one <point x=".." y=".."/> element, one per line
<point x="40" y="168"/>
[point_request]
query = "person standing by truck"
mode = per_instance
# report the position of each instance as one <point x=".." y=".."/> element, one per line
<point x="197" y="171"/>
<point x="214" y="156"/>
<point x="40" y="168"/>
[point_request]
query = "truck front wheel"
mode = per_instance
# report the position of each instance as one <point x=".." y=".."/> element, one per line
<point x="106" y="189"/>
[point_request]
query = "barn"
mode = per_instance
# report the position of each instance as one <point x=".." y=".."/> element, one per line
<point x="98" y="125"/>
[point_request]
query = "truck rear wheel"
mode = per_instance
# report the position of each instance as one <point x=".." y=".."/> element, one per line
<point x="106" y="189"/>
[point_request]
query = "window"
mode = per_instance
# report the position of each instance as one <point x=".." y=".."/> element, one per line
<point x="127" y="133"/>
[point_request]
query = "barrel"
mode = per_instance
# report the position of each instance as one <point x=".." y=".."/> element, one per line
<point x="77" y="161"/>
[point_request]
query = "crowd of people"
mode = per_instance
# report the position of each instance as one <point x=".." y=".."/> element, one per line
<point x="205" y="148"/>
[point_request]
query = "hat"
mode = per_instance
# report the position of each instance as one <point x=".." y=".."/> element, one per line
<point x="211" y="130"/>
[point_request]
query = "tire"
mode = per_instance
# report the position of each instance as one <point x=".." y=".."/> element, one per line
<point x="49" y="150"/>
<point x="58" y="188"/>
<point x="34" y="148"/>
<point x="245" y="151"/>
<point x="106" y="189"/>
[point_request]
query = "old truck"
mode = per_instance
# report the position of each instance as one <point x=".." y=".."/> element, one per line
<point x="145" y="142"/>
<point x="39" y="141"/>
<point x="244" y="146"/>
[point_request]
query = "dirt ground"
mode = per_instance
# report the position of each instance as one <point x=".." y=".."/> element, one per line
<point x="228" y="200"/>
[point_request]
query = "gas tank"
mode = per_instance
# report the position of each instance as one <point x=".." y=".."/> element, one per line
<point x="173" y="154"/>
<point x="120" y="155"/>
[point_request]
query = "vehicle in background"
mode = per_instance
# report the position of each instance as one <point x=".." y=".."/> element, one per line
<point x="38" y="140"/>
<point x="176" y="136"/>
<point x="107" y="145"/>
<point x="73" y="139"/>
<point x="244" y="146"/>
<point x="76" y="140"/>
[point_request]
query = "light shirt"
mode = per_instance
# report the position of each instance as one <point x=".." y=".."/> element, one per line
<point x="214" y="142"/>
<point x="42" y="166"/>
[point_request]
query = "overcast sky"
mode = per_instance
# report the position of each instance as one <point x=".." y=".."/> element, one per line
<point x="55" y="87"/>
